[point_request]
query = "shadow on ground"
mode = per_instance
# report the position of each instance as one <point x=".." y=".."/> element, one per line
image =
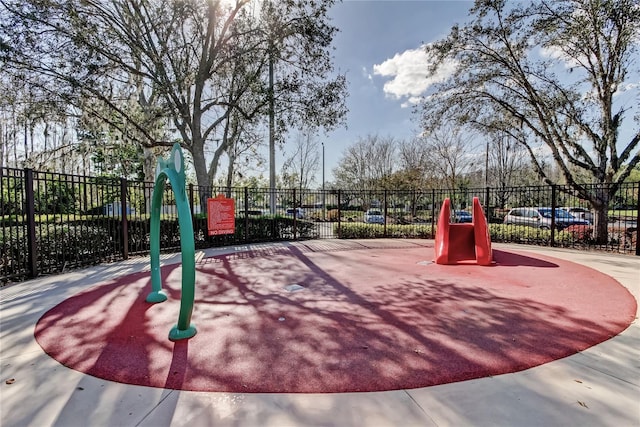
<point x="362" y="320"/>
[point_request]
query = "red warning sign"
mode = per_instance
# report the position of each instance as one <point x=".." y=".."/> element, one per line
<point x="221" y="217"/>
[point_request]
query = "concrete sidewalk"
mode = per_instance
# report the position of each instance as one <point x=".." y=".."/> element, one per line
<point x="599" y="386"/>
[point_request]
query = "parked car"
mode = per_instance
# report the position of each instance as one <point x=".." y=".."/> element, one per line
<point x="581" y="213"/>
<point x="462" y="216"/>
<point x="541" y="218"/>
<point x="299" y="212"/>
<point x="374" y="216"/>
<point x="110" y="209"/>
<point x="255" y="212"/>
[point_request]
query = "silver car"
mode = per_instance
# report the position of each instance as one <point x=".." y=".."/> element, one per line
<point x="374" y="216"/>
<point x="541" y="218"/>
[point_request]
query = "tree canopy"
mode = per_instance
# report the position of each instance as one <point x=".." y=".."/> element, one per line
<point x="557" y="74"/>
<point x="196" y="66"/>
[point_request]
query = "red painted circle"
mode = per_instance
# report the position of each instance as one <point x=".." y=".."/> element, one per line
<point x="366" y="320"/>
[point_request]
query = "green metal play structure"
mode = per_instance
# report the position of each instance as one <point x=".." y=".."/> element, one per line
<point x="173" y="170"/>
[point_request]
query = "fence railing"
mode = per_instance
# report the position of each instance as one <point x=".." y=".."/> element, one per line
<point x="53" y="222"/>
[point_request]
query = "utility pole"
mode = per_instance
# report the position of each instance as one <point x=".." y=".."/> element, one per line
<point x="324" y="208"/>
<point x="272" y="144"/>
<point x="486" y="166"/>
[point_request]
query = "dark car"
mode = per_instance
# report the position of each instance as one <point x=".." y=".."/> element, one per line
<point x="462" y="216"/>
<point x="581" y="213"/>
<point x="299" y="212"/>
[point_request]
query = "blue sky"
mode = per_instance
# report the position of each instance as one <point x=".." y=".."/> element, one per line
<point x="378" y="44"/>
<point x="378" y="47"/>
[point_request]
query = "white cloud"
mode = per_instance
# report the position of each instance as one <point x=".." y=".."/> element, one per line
<point x="626" y="88"/>
<point x="366" y="74"/>
<point x="555" y="52"/>
<point x="408" y="71"/>
<point x="412" y="100"/>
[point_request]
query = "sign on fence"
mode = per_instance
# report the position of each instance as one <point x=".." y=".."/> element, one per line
<point x="221" y="215"/>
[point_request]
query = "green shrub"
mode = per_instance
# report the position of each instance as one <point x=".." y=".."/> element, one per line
<point x="11" y="197"/>
<point x="410" y="231"/>
<point x="56" y="197"/>
<point x="13" y="251"/>
<point x="72" y="245"/>
<point x="260" y="229"/>
<point x="518" y="234"/>
<point x="358" y="230"/>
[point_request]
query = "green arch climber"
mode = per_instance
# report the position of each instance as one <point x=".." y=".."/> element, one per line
<point x="173" y="170"/>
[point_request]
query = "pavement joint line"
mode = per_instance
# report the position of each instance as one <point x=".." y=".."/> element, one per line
<point x="155" y="407"/>
<point x="419" y="406"/>
<point x="577" y="362"/>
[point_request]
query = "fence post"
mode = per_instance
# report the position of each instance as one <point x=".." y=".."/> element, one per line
<point x="553" y="215"/>
<point x="638" y="220"/>
<point x="191" y="199"/>
<point x="295" y="215"/>
<point x="339" y="214"/>
<point x="192" y="208"/>
<point x="384" y="233"/>
<point x="246" y="214"/>
<point x="123" y="217"/>
<point x="486" y="203"/>
<point x="30" y="211"/>
<point x="433" y="212"/>
<point x="414" y="207"/>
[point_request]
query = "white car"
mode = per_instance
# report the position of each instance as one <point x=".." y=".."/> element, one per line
<point x="374" y="216"/>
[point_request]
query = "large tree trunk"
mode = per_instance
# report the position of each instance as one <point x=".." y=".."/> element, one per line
<point x="202" y="176"/>
<point x="601" y="225"/>
<point x="149" y="171"/>
<point x="230" y="171"/>
<point x="601" y="217"/>
<point x="148" y="163"/>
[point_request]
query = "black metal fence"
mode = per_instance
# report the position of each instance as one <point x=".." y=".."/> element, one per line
<point x="54" y="222"/>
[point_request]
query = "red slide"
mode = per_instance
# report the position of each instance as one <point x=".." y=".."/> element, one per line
<point x="463" y="242"/>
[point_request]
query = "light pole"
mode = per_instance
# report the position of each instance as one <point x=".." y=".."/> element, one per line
<point x="272" y="144"/>
<point x="486" y="165"/>
<point x="324" y="208"/>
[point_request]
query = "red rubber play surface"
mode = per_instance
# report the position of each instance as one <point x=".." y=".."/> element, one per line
<point x="369" y="319"/>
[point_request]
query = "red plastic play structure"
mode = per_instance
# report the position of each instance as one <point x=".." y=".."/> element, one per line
<point x="463" y="242"/>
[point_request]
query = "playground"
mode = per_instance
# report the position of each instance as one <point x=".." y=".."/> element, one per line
<point x="328" y="317"/>
<point x="317" y="317"/>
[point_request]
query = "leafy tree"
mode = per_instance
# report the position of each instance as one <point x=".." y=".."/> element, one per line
<point x="242" y="152"/>
<point x="450" y="151"/>
<point x="367" y="164"/>
<point x="104" y="132"/>
<point x="199" y="61"/>
<point x="555" y="68"/>
<point x="416" y="166"/>
<point x="11" y="191"/>
<point x="300" y="168"/>
<point x="507" y="166"/>
<point x="55" y="198"/>
<point x="634" y="176"/>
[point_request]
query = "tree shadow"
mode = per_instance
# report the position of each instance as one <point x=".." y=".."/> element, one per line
<point x="357" y="324"/>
